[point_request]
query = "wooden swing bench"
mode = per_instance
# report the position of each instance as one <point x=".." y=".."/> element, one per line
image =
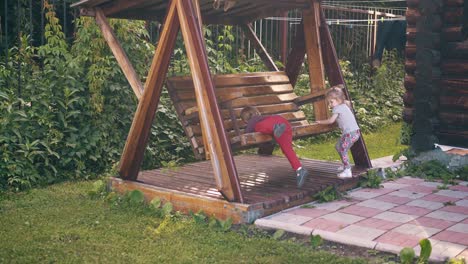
<point x="271" y="92"/>
<point x="217" y="100"/>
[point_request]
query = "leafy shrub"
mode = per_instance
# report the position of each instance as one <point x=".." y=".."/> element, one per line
<point x="327" y="195"/>
<point x="370" y="180"/>
<point x="407" y="255"/>
<point x="432" y="170"/>
<point x="72" y="115"/>
<point x="426" y="250"/>
<point x="315" y="241"/>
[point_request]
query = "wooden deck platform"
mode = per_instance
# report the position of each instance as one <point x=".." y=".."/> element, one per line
<point x="268" y="185"/>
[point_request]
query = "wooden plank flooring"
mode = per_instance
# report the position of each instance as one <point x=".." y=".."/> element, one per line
<point x="265" y="180"/>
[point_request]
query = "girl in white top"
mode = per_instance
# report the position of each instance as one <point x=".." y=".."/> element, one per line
<point x="343" y="115"/>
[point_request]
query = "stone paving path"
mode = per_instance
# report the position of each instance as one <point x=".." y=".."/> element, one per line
<point x="398" y="215"/>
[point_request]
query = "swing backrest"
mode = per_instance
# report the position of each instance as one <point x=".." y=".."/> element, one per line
<point x="271" y="92"/>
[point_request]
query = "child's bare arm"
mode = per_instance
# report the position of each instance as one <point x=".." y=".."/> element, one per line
<point x="329" y="121"/>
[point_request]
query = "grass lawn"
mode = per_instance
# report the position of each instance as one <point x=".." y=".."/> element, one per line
<point x="62" y="224"/>
<point x="384" y="142"/>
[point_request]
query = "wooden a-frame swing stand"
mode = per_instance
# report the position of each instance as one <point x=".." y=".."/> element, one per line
<point x="215" y="110"/>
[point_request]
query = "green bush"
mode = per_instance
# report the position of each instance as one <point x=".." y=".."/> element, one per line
<point x="71" y="117"/>
<point x="376" y="94"/>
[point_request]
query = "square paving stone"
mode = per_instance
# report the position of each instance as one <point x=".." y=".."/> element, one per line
<point x="360" y="211"/>
<point x="408" y="194"/>
<point x="455" y="209"/>
<point x="454" y="194"/>
<point x="361" y="232"/>
<point x="426" y="204"/>
<point x="363" y="195"/>
<point x="394" y="186"/>
<point x="342" y="217"/>
<point x="406" y="209"/>
<point x="460" y="188"/>
<point x="431" y="184"/>
<point x="461" y="228"/>
<point x="290" y="218"/>
<point x="395" y="217"/>
<point x="462" y="203"/>
<point x="409" y="180"/>
<point x="416" y="230"/>
<point x="447" y="216"/>
<point x="453" y="237"/>
<point x="333" y="206"/>
<point x="372" y="203"/>
<point x="393" y="199"/>
<point x="439" y="198"/>
<point x="324" y="224"/>
<point x="308" y="212"/>
<point x="398" y="239"/>
<point x="378" y="223"/>
<point x="420" y="189"/>
<point x="432" y="222"/>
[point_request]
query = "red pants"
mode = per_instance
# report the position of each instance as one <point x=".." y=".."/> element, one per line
<point x="284" y="141"/>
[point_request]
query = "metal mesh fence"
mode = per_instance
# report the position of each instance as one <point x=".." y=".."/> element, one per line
<point x="352" y="25"/>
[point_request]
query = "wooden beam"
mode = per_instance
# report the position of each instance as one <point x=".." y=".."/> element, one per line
<point x="296" y="56"/>
<point x="311" y="98"/>
<point x="335" y="77"/>
<point x="262" y="52"/>
<point x="314" y="56"/>
<point x="132" y="155"/>
<point x="283" y="28"/>
<point x="119" y="53"/>
<point x="220" y="151"/>
<point x="117" y="6"/>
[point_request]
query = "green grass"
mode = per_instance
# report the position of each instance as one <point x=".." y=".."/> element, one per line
<point x="62" y="224"/>
<point x="384" y="142"/>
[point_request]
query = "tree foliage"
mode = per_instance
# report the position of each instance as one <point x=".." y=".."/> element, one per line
<point x="67" y="111"/>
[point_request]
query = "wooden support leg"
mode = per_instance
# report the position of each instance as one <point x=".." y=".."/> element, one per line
<point x="262" y="52"/>
<point x="314" y="56"/>
<point x="210" y="116"/>
<point x="296" y="56"/>
<point x="119" y="53"/>
<point x="335" y="77"/>
<point x="132" y="155"/>
<point x="284" y="37"/>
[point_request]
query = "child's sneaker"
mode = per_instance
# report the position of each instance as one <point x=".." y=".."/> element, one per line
<point x="345" y="174"/>
<point x="301" y="175"/>
<point x="278" y="130"/>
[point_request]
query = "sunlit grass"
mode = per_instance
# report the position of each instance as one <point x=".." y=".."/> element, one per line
<point x="61" y="224"/>
<point x="384" y="142"/>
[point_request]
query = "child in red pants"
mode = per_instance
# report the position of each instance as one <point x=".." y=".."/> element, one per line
<point x="281" y="130"/>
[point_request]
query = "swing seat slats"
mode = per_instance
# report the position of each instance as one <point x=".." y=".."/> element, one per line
<point x="270" y="92"/>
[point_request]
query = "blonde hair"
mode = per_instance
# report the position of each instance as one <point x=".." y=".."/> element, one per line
<point x="248" y="112"/>
<point x="336" y="93"/>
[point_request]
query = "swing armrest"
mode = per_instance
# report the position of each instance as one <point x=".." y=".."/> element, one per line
<point x="311" y="98"/>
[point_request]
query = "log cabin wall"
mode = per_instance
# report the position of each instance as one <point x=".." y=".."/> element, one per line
<point x="436" y="81"/>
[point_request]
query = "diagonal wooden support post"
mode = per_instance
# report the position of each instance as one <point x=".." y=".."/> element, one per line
<point x="335" y="77"/>
<point x="314" y="56"/>
<point x="132" y="155"/>
<point x="119" y="53"/>
<point x="262" y="52"/>
<point x="296" y="56"/>
<point x="210" y="116"/>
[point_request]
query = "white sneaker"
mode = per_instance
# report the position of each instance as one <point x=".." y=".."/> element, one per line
<point x="345" y="174"/>
<point x="340" y="168"/>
